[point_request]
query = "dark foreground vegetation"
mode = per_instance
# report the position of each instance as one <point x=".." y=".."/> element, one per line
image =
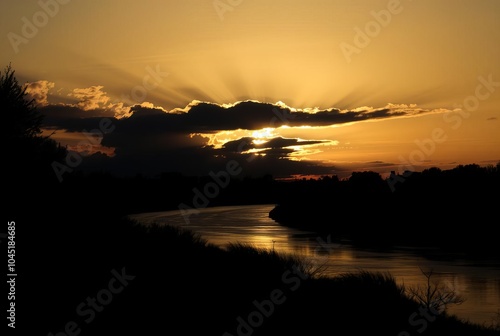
<point x="172" y="282"/>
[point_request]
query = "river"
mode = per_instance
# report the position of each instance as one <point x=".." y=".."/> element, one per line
<point x="477" y="282"/>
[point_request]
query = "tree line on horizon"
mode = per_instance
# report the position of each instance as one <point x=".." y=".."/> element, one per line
<point x="452" y="208"/>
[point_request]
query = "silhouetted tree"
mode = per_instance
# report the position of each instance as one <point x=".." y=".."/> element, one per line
<point x="367" y="182"/>
<point x="435" y="296"/>
<point x="27" y="153"/>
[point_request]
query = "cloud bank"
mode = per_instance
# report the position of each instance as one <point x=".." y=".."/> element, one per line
<point x="148" y="139"/>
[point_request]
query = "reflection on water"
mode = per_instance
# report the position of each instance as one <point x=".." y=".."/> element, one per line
<point x="478" y="283"/>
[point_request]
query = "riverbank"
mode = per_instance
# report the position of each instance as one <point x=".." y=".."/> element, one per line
<point x="475" y="279"/>
<point x="420" y="209"/>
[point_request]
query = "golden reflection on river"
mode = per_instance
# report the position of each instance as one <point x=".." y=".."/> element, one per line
<point x="478" y="283"/>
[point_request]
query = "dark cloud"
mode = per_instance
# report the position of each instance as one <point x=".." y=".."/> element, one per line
<point x="207" y="117"/>
<point x="280" y="142"/>
<point x="247" y="143"/>
<point x="152" y="140"/>
<point x="202" y="161"/>
<point x="279" y="153"/>
<point x="153" y="150"/>
<point x="201" y="117"/>
<point x="72" y="118"/>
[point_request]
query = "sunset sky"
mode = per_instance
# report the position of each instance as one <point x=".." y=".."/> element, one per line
<point x="287" y="87"/>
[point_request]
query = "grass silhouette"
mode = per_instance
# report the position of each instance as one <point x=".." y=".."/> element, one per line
<point x="184" y="285"/>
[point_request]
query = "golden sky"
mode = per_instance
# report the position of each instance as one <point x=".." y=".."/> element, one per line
<point x="437" y="56"/>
